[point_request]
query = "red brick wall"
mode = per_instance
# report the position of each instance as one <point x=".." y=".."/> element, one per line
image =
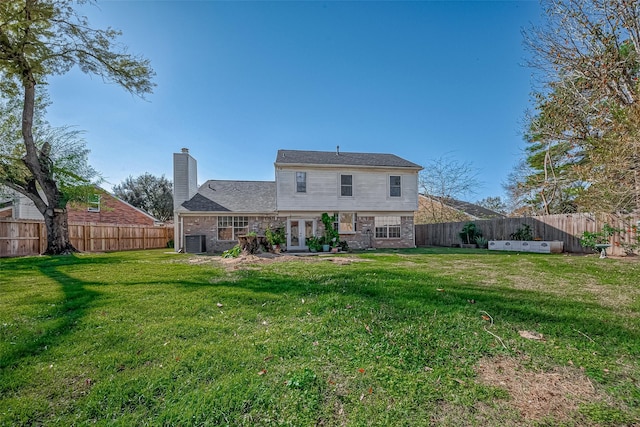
<point x="112" y="211"/>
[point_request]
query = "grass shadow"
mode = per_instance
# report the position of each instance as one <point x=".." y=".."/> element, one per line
<point x="53" y="326"/>
<point x="406" y="292"/>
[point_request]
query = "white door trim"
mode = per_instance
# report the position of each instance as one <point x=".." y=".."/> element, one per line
<point x="302" y="222"/>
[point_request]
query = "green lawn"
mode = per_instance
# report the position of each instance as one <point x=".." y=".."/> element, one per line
<point x="415" y="337"/>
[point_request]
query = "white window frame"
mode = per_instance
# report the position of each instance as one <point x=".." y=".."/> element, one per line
<point x="239" y="225"/>
<point x="391" y="187"/>
<point x="388" y="227"/>
<point x="351" y="229"/>
<point x="344" y="186"/>
<point x="303" y="182"/>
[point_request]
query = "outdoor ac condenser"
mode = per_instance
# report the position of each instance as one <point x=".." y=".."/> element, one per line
<point x="195" y="244"/>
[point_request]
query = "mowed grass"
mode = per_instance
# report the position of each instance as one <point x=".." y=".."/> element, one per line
<point x="377" y="338"/>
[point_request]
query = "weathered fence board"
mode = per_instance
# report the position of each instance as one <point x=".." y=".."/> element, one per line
<point x="21" y="238"/>
<point x="564" y="227"/>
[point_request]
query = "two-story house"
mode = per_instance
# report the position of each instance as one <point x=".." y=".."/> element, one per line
<point x="373" y="197"/>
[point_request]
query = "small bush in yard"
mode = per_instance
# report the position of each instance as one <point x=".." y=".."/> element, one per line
<point x="234" y="252"/>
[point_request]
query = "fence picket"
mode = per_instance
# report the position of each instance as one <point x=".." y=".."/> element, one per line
<point x="23" y="237"/>
<point x="563" y="227"/>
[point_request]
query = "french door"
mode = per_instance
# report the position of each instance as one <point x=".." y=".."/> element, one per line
<point x="297" y="232"/>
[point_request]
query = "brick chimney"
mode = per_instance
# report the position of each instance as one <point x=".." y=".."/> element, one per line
<point x="185" y="177"/>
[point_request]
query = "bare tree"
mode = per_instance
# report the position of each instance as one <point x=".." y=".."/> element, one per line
<point x="445" y="179"/>
<point x="495" y="204"/>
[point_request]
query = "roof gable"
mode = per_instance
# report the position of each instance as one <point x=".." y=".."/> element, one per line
<point x="201" y="203"/>
<point x="330" y="158"/>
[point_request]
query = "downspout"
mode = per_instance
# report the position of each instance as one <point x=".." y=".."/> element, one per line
<point x="181" y="236"/>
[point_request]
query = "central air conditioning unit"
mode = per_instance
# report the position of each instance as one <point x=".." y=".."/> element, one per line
<point x="195" y="244"/>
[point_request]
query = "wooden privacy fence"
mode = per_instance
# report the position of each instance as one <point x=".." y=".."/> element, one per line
<point x="563" y="227"/>
<point x="21" y="238"/>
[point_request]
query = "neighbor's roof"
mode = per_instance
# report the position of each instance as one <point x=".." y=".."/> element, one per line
<point x="233" y="196"/>
<point x="342" y="158"/>
<point x="476" y="211"/>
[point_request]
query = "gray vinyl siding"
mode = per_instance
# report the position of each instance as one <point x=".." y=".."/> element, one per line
<point x="26" y="209"/>
<point x="370" y="190"/>
<point x="185" y="176"/>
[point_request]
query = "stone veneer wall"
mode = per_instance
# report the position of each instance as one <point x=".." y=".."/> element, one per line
<point x="364" y="240"/>
<point x="208" y="225"/>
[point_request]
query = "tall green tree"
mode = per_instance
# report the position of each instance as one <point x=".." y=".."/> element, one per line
<point x="584" y="149"/>
<point x="556" y="138"/>
<point x="68" y="155"/>
<point x="41" y="38"/>
<point x="149" y="193"/>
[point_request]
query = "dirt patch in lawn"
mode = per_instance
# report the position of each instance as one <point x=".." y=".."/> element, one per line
<point x="555" y="394"/>
<point x="247" y="261"/>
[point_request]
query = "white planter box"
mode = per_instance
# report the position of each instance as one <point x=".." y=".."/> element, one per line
<point x="536" y="246"/>
<point x="527" y="246"/>
<point x="496" y="245"/>
<point x="512" y="245"/>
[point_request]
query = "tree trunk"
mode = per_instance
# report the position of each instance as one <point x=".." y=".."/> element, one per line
<point x="53" y="209"/>
<point x="58" y="242"/>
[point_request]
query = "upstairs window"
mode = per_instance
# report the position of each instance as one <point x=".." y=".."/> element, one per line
<point x="395" y="186"/>
<point x="346" y="185"/>
<point x="94" y="203"/>
<point x="301" y="182"/>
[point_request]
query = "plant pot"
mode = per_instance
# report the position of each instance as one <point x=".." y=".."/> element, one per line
<point x="326" y="248"/>
<point x="313" y="250"/>
<point x="468" y="245"/>
<point x="334" y="250"/>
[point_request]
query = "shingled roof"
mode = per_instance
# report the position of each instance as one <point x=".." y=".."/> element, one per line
<point x="343" y="158"/>
<point x="470" y="209"/>
<point x="234" y="196"/>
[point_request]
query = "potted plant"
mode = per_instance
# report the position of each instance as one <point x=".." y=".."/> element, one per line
<point x="482" y="242"/>
<point x="468" y="235"/>
<point x="314" y="243"/>
<point x="331" y="236"/>
<point x="276" y="237"/>
<point x="324" y="243"/>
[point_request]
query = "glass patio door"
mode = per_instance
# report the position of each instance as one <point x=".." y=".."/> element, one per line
<point x="297" y="233"/>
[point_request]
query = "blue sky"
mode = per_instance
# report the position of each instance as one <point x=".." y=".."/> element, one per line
<point x="236" y="81"/>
